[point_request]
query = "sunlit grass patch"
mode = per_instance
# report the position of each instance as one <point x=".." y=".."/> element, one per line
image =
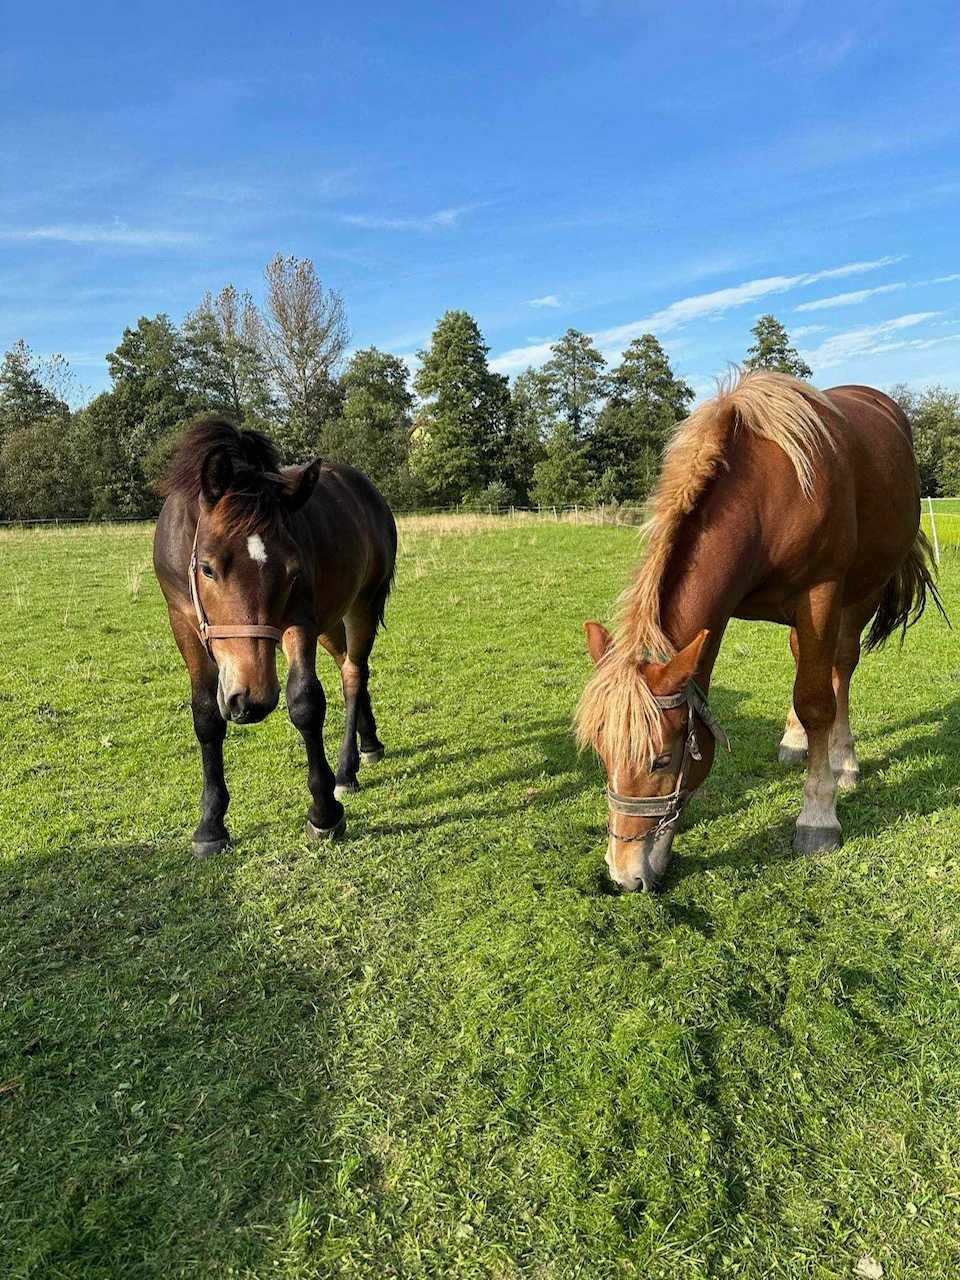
<point x="443" y="1048"/>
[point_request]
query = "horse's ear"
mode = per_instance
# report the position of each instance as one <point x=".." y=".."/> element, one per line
<point x="216" y="476"/>
<point x="300" y="483"/>
<point x="599" y="640"/>
<point x="683" y="665"/>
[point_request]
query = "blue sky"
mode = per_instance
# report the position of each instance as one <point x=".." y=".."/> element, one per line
<point x="612" y="166"/>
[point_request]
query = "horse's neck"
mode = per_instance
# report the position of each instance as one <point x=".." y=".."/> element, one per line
<point x="707" y="577"/>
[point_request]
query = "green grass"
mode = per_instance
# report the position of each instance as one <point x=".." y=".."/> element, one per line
<point x="442" y="1048"/>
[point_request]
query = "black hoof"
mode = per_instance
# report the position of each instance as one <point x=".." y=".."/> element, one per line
<point x="345" y="789"/>
<point x="792" y="755"/>
<point x="209" y="848"/>
<point x="374" y="756"/>
<point x="327" y="833"/>
<point x="816" y="839"/>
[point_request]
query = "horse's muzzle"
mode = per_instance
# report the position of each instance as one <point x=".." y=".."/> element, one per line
<point x="241" y="708"/>
<point x="643" y="864"/>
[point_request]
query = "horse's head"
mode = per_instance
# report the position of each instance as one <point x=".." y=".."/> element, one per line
<point x="648" y="781"/>
<point x="247" y="567"/>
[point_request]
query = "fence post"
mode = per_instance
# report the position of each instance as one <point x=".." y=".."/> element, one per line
<point x="933" y="531"/>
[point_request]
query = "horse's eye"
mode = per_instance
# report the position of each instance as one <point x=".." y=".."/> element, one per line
<point x="206" y="570"/>
<point x="661" y="762"/>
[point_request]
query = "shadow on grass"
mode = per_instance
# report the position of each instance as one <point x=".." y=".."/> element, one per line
<point x="876" y="804"/>
<point x="745" y="778"/>
<point x="167" y="1066"/>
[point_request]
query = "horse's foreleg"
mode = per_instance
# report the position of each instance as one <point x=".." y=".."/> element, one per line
<point x="307" y="708"/>
<point x="211" y="836"/>
<point x="818" y="624"/>
<point x="793" y="744"/>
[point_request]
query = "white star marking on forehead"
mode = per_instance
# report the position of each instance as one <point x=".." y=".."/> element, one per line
<point x="256" y="548"/>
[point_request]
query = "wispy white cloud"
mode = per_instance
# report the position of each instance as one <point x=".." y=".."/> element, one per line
<point x="701" y="306"/>
<point x="849" y="299"/>
<point x="440" y="220"/>
<point x="548" y="300"/>
<point x="913" y="344"/>
<point x="866" y="341"/>
<point x="110" y="234"/>
<point x="802" y="330"/>
<point x="861" y="295"/>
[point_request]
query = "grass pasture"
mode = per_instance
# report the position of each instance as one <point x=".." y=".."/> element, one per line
<point x="442" y="1048"/>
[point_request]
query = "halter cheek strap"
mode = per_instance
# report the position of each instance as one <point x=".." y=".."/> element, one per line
<point x="208" y="631"/>
<point x="668" y="808"/>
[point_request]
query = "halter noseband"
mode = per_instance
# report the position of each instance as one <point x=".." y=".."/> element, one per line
<point x="208" y="631"/>
<point x="668" y="808"/>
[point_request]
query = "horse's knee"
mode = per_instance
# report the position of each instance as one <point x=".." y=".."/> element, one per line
<point x="208" y="724"/>
<point x="306" y="704"/>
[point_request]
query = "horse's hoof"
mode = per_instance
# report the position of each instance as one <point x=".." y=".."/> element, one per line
<point x="816" y="839"/>
<point x="345" y="789"/>
<point x="209" y="848"/>
<point x="847" y="779"/>
<point x="792" y="755"/>
<point x="327" y="833"/>
<point x="373" y="757"/>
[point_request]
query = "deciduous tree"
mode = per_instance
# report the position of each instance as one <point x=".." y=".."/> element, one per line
<point x="302" y="337"/>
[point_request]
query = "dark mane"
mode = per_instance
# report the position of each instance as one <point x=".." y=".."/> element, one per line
<point x="252" y="502"/>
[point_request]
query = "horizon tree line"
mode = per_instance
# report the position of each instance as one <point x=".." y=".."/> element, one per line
<point x="458" y="433"/>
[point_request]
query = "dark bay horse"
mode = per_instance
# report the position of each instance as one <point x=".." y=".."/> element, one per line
<point x="250" y="555"/>
<point x="776" y="502"/>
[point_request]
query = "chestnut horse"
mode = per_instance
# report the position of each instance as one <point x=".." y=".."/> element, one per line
<point x="250" y="556"/>
<point x="776" y="502"/>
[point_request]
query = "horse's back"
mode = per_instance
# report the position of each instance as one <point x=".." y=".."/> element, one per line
<point x="854" y="394"/>
<point x="348" y="532"/>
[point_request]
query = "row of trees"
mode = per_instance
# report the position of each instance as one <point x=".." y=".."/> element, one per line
<point x="574" y="430"/>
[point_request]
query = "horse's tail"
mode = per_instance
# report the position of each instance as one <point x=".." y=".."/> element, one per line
<point x="905" y="595"/>
<point x="383" y="591"/>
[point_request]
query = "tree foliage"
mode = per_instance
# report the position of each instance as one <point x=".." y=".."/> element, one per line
<point x="373" y="429"/>
<point x="574" y="381"/>
<point x="646" y="401"/>
<point x="301" y="337"/>
<point x="935" y="418"/>
<point x="573" y="431"/>
<point x="464" y="414"/>
<point x="772" y="350"/>
<point x="226" y="362"/>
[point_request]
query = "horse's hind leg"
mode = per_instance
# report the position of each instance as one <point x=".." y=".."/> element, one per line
<point x="793" y="744"/>
<point x="818" y="626"/>
<point x="843" y="755"/>
<point x="360" y="631"/>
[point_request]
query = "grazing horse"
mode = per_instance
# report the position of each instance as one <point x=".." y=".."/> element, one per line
<point x="250" y="556"/>
<point x="776" y="502"/>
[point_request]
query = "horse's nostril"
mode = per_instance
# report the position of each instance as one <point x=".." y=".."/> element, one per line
<point x="238" y="704"/>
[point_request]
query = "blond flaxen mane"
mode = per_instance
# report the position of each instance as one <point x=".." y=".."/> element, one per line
<point x="617" y="714"/>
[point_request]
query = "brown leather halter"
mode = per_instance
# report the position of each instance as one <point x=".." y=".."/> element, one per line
<point x="208" y="631"/>
<point x="669" y="808"/>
